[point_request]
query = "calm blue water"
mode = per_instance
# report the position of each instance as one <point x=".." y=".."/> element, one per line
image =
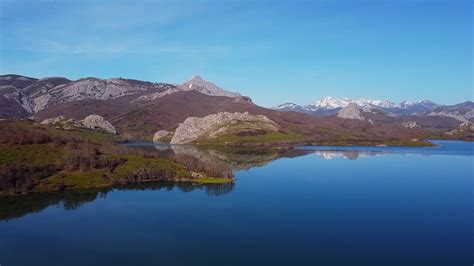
<point x="315" y="206"/>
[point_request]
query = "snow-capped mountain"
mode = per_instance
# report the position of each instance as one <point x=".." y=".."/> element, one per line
<point x="286" y="107"/>
<point x="331" y="105"/>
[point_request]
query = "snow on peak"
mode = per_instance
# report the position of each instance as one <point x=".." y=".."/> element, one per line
<point x="286" y="106"/>
<point x="333" y="103"/>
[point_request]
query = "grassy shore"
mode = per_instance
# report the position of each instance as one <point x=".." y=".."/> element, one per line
<point x="287" y="140"/>
<point x="40" y="159"/>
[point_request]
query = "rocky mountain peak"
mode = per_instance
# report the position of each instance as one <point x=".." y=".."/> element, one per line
<point x="197" y="83"/>
<point x="351" y="111"/>
<point x="196" y="78"/>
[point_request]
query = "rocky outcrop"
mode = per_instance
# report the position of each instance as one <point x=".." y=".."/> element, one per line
<point x="463" y="127"/>
<point x="218" y="124"/>
<point x="98" y="122"/>
<point x="20" y="98"/>
<point x="159" y="135"/>
<point x="463" y="112"/>
<point x="205" y="87"/>
<point x="351" y="111"/>
<point x="466" y="126"/>
<point x="52" y="121"/>
<point x="61" y="122"/>
<point x="95" y="122"/>
<point x="88" y="88"/>
<point x="198" y="84"/>
<point x="410" y="124"/>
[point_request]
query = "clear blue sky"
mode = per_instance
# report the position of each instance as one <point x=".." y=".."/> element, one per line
<point x="273" y="51"/>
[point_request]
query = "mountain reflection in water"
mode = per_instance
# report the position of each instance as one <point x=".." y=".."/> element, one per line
<point x="219" y="161"/>
<point x="224" y="161"/>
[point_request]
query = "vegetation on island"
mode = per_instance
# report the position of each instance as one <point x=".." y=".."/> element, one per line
<point x="290" y="138"/>
<point x="34" y="158"/>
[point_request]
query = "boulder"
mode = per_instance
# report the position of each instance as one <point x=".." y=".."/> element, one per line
<point x="52" y="121"/>
<point x="98" y="122"/>
<point x="61" y="122"/>
<point x="160" y="134"/>
<point x="215" y="125"/>
<point x="410" y="124"/>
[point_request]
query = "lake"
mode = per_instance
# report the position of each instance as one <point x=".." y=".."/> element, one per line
<point x="307" y="206"/>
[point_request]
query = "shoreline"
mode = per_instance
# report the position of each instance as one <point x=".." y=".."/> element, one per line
<point x="197" y="181"/>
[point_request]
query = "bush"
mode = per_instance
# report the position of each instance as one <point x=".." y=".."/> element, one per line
<point x="19" y="179"/>
<point x="11" y="133"/>
<point x="150" y="174"/>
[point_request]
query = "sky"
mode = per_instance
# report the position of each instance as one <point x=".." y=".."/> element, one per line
<point x="273" y="51"/>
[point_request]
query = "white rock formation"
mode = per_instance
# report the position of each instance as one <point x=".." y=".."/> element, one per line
<point x="454" y="115"/>
<point x="61" y="122"/>
<point x="410" y="124"/>
<point x="205" y="87"/>
<point x="351" y="111"/>
<point x="198" y="84"/>
<point x="22" y="99"/>
<point x="160" y="134"/>
<point x="52" y="121"/>
<point x="98" y="122"/>
<point x="216" y="124"/>
<point x="466" y="126"/>
<point x="88" y="88"/>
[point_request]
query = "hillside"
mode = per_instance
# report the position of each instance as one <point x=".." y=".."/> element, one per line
<point x="138" y="109"/>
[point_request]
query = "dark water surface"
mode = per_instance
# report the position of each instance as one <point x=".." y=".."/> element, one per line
<point x="309" y="206"/>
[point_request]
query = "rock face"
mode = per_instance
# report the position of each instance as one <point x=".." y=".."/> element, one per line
<point x="30" y="95"/>
<point x="160" y="134"/>
<point x="410" y="124"/>
<point x="351" y="111"/>
<point x="214" y="125"/>
<point x="52" y="121"/>
<point x="61" y="122"/>
<point x="466" y="126"/>
<point x="463" y="112"/>
<point x="88" y="88"/>
<point x="205" y="87"/>
<point x="95" y="122"/>
<point x="98" y="122"/>
<point x="463" y="127"/>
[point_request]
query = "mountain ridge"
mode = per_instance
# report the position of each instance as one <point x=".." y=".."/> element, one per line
<point x="331" y="105"/>
<point x="138" y="109"/>
<point x="32" y="95"/>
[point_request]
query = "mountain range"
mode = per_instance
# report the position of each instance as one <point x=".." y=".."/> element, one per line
<point x="139" y="108"/>
<point x="331" y="105"/>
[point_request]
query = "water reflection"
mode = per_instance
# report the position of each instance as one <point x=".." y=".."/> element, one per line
<point x="222" y="162"/>
<point x="349" y="154"/>
<point x="232" y="158"/>
<point x="12" y="207"/>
